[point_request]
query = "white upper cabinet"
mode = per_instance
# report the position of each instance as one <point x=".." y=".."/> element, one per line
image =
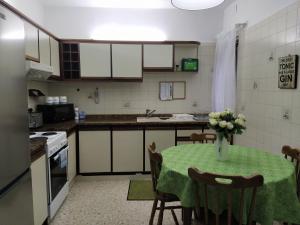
<point x="127" y="60"/>
<point x="158" y="56"/>
<point x="32" y="42"/>
<point x="44" y="43"/>
<point x="54" y="46"/>
<point x="95" y="60"/>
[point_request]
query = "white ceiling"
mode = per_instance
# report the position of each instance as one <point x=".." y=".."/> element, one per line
<point x="151" y="4"/>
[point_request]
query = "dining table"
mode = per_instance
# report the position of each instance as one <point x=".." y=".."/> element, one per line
<point x="276" y="200"/>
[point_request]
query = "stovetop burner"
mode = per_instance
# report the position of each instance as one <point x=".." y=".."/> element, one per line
<point x="49" y="133"/>
<point x="32" y="133"/>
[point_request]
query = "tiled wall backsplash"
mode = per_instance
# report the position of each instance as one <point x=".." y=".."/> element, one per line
<point x="131" y="97"/>
<point x="259" y="97"/>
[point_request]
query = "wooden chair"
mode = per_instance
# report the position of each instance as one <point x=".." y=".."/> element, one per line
<point x="203" y="138"/>
<point x="236" y="183"/>
<point x="155" y="164"/>
<point x="294" y="155"/>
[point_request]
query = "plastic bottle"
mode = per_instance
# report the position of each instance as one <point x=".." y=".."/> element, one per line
<point x="76" y="113"/>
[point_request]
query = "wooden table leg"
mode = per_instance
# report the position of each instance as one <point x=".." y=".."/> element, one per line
<point x="187" y="215"/>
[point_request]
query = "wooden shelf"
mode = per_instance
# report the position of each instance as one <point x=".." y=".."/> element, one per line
<point x="71" y="62"/>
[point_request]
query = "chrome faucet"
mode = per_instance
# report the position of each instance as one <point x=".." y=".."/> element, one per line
<point x="150" y="112"/>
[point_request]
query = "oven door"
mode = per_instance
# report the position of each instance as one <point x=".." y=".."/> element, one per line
<point x="58" y="164"/>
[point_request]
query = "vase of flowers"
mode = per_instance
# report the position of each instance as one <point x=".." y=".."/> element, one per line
<point x="225" y="124"/>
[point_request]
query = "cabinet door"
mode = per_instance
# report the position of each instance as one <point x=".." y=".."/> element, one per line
<point x="72" y="157"/>
<point x="94" y="151"/>
<point x="162" y="138"/>
<point x="44" y="45"/>
<point x="127" y="60"/>
<point x="127" y="151"/>
<point x="55" y="63"/>
<point x="32" y="42"/>
<point x="39" y="190"/>
<point x="158" y="56"/>
<point x="95" y="60"/>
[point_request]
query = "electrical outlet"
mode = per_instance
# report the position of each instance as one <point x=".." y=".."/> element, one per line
<point x="286" y="114"/>
<point x="127" y="105"/>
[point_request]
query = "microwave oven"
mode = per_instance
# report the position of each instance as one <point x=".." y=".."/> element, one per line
<point x="56" y="113"/>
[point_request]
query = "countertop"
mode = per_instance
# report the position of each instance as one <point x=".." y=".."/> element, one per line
<point x="115" y="120"/>
<point x="37" y="147"/>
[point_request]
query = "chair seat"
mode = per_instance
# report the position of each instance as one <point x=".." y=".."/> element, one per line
<point x="167" y="197"/>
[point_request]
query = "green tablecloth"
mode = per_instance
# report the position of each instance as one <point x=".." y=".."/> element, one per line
<point x="276" y="200"/>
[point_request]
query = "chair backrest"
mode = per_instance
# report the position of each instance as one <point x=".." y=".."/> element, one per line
<point x="203" y="138"/>
<point x="229" y="184"/>
<point x="155" y="164"/>
<point x="293" y="154"/>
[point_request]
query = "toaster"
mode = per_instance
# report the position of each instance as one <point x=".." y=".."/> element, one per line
<point x="35" y="119"/>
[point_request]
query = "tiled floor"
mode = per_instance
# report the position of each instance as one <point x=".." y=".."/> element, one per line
<point x="103" y="201"/>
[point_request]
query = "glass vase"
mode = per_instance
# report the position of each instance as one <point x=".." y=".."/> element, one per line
<point x="221" y="146"/>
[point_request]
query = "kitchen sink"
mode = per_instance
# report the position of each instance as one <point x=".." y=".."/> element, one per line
<point x="162" y="119"/>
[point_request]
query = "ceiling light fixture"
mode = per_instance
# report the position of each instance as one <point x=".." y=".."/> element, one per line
<point x="195" y="4"/>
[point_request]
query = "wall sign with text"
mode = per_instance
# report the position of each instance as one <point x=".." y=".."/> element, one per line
<point x="288" y="71"/>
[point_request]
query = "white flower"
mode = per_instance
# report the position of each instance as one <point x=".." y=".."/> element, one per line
<point x="223" y="124"/>
<point x="230" y="126"/>
<point x="211" y="115"/>
<point x="240" y="122"/>
<point x="217" y="115"/>
<point x="242" y="116"/>
<point x="213" y="122"/>
<point x="214" y="115"/>
<point x="224" y="113"/>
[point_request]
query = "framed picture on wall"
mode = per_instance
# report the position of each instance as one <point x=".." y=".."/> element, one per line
<point x="288" y="72"/>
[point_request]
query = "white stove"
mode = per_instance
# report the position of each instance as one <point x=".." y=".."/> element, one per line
<point x="57" y="154"/>
<point x="55" y="140"/>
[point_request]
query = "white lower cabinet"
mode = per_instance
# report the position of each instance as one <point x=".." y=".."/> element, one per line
<point x="162" y="138"/>
<point x="72" y="157"/>
<point x="39" y="190"/>
<point x="128" y="151"/>
<point x="94" y="151"/>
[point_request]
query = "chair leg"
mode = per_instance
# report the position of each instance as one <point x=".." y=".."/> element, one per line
<point x="174" y="217"/>
<point x="153" y="211"/>
<point x="161" y="213"/>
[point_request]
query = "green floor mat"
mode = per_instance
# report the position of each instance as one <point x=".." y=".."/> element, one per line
<point x="140" y="190"/>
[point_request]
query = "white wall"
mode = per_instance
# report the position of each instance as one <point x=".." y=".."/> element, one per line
<point x="31" y="8"/>
<point x="251" y="11"/>
<point x="264" y="106"/>
<point x="69" y="22"/>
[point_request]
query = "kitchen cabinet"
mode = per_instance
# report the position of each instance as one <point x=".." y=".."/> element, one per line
<point x="44" y="47"/>
<point x="55" y="62"/>
<point x="31" y="42"/>
<point x="187" y="133"/>
<point x="162" y="138"/>
<point x="95" y="60"/>
<point x="94" y="151"/>
<point x="39" y="190"/>
<point x="158" y="56"/>
<point x="72" y="157"/>
<point x="127" y="61"/>
<point x="128" y="151"/>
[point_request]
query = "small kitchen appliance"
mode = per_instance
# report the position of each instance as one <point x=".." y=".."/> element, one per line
<point x="56" y="113"/>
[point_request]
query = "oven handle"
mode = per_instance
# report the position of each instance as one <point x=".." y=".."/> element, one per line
<point x="56" y="157"/>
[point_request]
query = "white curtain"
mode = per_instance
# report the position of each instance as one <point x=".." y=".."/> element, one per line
<point x="224" y="76"/>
